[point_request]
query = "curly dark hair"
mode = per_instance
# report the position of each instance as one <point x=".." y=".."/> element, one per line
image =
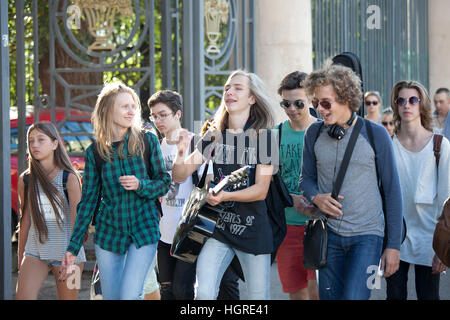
<point x="345" y="82"/>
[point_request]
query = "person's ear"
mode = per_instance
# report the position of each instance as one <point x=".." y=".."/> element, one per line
<point x="252" y="100"/>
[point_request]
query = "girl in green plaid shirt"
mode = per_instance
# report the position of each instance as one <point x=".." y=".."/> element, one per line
<point x="127" y="221"/>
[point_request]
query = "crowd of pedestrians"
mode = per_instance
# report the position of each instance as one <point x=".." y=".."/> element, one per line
<point x="136" y="183"/>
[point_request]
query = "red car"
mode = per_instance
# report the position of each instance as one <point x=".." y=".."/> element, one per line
<point x="73" y="133"/>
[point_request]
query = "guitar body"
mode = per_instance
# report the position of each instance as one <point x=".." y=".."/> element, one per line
<point x="198" y="219"/>
<point x="189" y="238"/>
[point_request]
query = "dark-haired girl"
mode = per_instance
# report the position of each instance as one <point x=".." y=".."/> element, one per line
<point x="47" y="215"/>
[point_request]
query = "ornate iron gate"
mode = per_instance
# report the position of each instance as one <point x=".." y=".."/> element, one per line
<point x="186" y="45"/>
<point x="390" y="37"/>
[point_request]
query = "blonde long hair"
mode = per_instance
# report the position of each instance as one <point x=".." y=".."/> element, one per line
<point x="102" y="122"/>
<point x="260" y="112"/>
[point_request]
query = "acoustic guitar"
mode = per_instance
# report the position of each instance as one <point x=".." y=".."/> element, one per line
<point x="198" y="219"/>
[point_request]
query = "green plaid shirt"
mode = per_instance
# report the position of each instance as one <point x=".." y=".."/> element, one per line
<point x="124" y="217"/>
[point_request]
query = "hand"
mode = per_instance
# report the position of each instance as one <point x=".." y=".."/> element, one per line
<point x="390" y="261"/>
<point x="303" y="206"/>
<point x="214" y="200"/>
<point x="328" y="205"/>
<point x="182" y="141"/>
<point x="129" y="182"/>
<point x="67" y="261"/>
<point x="437" y="266"/>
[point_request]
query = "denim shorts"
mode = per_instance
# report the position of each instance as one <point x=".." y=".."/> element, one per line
<point x="50" y="263"/>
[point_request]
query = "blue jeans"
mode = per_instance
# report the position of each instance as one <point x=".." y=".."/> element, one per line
<point x="122" y="277"/>
<point x="215" y="258"/>
<point x="347" y="271"/>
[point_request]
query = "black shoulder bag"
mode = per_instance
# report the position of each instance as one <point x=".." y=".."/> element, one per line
<point x="315" y="241"/>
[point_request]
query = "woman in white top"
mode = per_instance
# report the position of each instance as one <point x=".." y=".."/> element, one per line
<point x="425" y="186"/>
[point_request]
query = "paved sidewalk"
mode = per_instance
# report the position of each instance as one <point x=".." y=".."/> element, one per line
<point x="48" y="290"/>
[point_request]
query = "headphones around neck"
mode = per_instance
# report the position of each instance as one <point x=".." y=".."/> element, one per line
<point x="337" y="132"/>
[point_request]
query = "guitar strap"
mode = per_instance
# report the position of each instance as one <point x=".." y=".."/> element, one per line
<point x="201" y="183"/>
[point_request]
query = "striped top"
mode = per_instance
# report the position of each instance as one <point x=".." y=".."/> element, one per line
<point x="58" y="237"/>
<point x="124" y="216"/>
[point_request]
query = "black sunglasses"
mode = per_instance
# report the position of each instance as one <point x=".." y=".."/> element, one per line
<point x="385" y="123"/>
<point x="297" y="103"/>
<point x="371" y="103"/>
<point x="403" y="101"/>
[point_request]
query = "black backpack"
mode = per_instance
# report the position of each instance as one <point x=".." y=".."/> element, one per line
<point x="351" y="60"/>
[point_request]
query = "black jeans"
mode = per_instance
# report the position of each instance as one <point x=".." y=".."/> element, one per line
<point x="177" y="278"/>
<point x="427" y="284"/>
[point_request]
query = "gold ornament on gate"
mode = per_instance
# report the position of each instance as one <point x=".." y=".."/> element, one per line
<point x="216" y="13"/>
<point x="100" y="15"/>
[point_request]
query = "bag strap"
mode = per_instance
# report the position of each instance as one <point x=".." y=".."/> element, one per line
<point x="437" y="141"/>
<point x="195" y="179"/>
<point x="348" y="153"/>
<point x="64" y="182"/>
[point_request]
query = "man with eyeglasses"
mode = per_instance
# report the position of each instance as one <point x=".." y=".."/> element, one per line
<point x="300" y="283"/>
<point x="177" y="277"/>
<point x="356" y="221"/>
<point x="440" y="115"/>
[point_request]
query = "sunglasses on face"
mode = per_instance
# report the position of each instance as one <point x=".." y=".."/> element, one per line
<point x="297" y="103"/>
<point x="371" y="103"/>
<point x="325" y="104"/>
<point x="385" y="123"/>
<point x="402" y="101"/>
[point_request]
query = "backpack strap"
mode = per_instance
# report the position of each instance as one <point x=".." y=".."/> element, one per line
<point x="437" y="141"/>
<point x="64" y="184"/>
<point x="195" y="179"/>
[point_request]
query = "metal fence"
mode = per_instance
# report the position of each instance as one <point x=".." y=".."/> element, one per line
<point x="390" y="37"/>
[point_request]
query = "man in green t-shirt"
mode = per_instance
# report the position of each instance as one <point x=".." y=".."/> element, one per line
<point x="300" y="283"/>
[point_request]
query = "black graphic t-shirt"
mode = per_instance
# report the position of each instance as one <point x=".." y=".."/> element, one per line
<point x="243" y="225"/>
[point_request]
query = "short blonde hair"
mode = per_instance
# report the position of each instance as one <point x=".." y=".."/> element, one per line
<point x="345" y="82"/>
<point x="376" y="94"/>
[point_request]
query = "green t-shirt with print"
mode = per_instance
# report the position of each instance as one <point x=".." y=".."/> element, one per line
<point x="291" y="150"/>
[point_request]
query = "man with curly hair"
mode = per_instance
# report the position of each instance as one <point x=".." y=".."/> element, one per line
<point x="356" y="222"/>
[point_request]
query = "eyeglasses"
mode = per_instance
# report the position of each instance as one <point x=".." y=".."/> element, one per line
<point x="325" y="104"/>
<point x="162" y="116"/>
<point x="385" y="123"/>
<point x="297" y="103"/>
<point x="371" y="103"/>
<point x="403" y="101"/>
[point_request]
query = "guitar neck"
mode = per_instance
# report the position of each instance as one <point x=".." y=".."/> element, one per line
<point x="241" y="173"/>
<point x="220" y="186"/>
